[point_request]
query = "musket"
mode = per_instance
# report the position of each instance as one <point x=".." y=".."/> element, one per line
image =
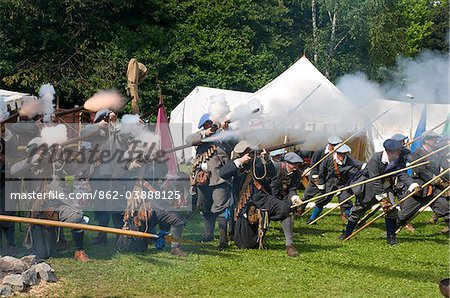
<point x="151" y="112"/>
<point x="344" y="142"/>
<point x="129" y="99"/>
<point x="268" y="149"/>
<point x="10" y="118"/>
<point x="69" y="111"/>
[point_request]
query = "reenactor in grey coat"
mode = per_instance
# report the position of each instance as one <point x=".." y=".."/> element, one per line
<point x="382" y="190"/>
<point x="51" y="174"/>
<point x="423" y="174"/>
<point x="102" y="174"/>
<point x="213" y="191"/>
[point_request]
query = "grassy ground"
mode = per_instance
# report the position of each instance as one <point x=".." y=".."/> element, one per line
<point x="363" y="267"/>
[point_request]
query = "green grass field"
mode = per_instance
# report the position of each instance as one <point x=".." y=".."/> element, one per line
<point x="363" y="267"/>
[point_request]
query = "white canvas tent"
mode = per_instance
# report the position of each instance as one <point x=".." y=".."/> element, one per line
<point x="324" y="111"/>
<point x="185" y="116"/>
<point x="399" y="119"/>
<point x="323" y="108"/>
<point x="14" y="100"/>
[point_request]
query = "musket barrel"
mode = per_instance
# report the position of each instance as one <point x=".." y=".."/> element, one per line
<point x="10" y="118"/>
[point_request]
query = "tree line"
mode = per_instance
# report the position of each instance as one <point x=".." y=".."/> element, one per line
<point x="81" y="46"/>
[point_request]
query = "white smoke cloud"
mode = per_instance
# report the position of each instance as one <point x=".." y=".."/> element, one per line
<point x="46" y="97"/>
<point x="3" y="109"/>
<point x="218" y="109"/>
<point x="426" y="78"/>
<point x="54" y="134"/>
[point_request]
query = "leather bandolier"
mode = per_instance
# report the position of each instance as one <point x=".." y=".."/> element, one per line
<point x="259" y="216"/>
<point x="138" y="209"/>
<point x="199" y="176"/>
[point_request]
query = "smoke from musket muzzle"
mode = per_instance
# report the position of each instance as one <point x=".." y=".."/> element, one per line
<point x="3" y="109"/>
<point x="218" y="109"/>
<point x="54" y="134"/>
<point x="422" y="80"/>
<point x="104" y="99"/>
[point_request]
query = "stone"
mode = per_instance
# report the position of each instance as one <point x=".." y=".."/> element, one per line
<point x="29" y="260"/>
<point x="30" y="277"/>
<point x="45" y="272"/>
<point x="11" y="264"/>
<point x="15" y="281"/>
<point x="5" y="291"/>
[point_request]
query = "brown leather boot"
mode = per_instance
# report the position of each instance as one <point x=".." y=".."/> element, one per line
<point x="82" y="256"/>
<point x="177" y="251"/>
<point x="445" y="230"/>
<point x="409" y="227"/>
<point x="291" y="251"/>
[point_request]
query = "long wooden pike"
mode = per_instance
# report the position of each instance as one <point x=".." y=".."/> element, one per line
<point x="69" y="225"/>
<point x="332" y="209"/>
<point x="363" y="220"/>
<point x="344" y="142"/>
<point x="395" y="205"/>
<point x="423" y="208"/>
<point x="367" y="181"/>
<point x="430" y="154"/>
<point x="421" y="136"/>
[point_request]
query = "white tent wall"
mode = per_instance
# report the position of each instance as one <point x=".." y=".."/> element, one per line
<point x="15" y="99"/>
<point x="189" y="111"/>
<point x="327" y="105"/>
<point x="399" y="119"/>
<point x="326" y="111"/>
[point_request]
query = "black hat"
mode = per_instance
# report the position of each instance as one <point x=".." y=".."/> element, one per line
<point x="392" y="145"/>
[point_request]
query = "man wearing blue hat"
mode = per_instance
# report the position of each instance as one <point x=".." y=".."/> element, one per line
<point x="382" y="191"/>
<point x="336" y="171"/>
<point x="313" y="179"/>
<point x="213" y="192"/>
<point x="438" y="162"/>
<point x="277" y="155"/>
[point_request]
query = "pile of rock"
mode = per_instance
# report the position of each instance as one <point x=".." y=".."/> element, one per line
<point x="18" y="275"/>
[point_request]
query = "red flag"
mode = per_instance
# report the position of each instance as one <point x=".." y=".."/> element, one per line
<point x="162" y="129"/>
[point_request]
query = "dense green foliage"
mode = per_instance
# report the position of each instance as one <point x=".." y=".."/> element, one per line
<point x="81" y="46"/>
<point x="363" y="267"/>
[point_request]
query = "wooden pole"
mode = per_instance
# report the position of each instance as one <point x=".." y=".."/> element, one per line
<point x="395" y="205"/>
<point x="332" y="209"/>
<point x="363" y="220"/>
<point x="366" y="181"/>
<point x="69" y="225"/>
<point x="423" y="208"/>
<point x="430" y="154"/>
<point x="343" y="143"/>
<point x="421" y="137"/>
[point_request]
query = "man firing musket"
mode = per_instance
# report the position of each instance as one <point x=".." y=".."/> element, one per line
<point x="383" y="190"/>
<point x="262" y="191"/>
<point x="213" y="192"/>
<point x="423" y="174"/>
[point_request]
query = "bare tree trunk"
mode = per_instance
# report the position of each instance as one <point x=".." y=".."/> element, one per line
<point x="332" y="44"/>
<point x="314" y="26"/>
